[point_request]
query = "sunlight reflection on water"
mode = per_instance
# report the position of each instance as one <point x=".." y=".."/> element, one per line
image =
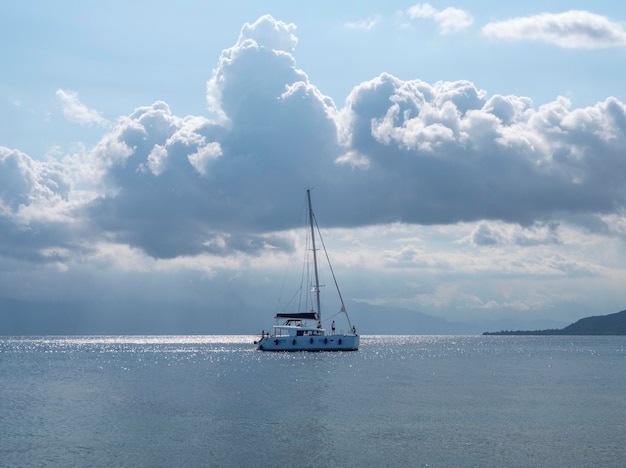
<point x="398" y="401"/>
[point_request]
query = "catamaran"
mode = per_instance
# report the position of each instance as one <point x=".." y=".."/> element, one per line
<point x="303" y="331"/>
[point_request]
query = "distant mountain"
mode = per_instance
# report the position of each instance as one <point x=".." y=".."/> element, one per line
<point x="384" y="320"/>
<point x="612" y="324"/>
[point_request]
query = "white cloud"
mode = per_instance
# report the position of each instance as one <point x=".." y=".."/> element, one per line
<point x="572" y="29"/>
<point x="449" y="19"/>
<point x="75" y="111"/>
<point x="270" y="33"/>
<point x="202" y="159"/>
<point x="157" y="159"/>
<point x="264" y="47"/>
<point x="25" y="181"/>
<point x="366" y="24"/>
<point x="37" y="211"/>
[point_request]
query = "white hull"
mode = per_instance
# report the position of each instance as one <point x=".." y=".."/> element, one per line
<point x="309" y="343"/>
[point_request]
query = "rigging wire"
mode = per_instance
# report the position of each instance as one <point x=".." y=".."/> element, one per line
<point x="330" y="266"/>
<point x="289" y="263"/>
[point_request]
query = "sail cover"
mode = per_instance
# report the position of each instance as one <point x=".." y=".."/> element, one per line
<point x="298" y="316"/>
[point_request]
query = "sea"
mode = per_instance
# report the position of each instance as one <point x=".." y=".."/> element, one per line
<point x="415" y="401"/>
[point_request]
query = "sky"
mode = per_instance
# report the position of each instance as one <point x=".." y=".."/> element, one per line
<point x="467" y="161"/>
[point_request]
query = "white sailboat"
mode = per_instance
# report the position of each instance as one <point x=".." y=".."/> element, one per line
<point x="303" y="331"/>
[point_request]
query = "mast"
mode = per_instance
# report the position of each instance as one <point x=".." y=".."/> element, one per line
<point x="317" y="281"/>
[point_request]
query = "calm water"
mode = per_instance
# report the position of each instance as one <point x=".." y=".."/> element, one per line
<point x="399" y="401"/>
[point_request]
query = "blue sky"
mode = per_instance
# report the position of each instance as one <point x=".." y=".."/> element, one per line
<point x="467" y="159"/>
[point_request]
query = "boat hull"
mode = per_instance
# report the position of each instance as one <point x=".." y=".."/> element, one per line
<point x="309" y="343"/>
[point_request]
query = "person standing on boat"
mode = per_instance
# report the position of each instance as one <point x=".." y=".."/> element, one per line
<point x="332" y="327"/>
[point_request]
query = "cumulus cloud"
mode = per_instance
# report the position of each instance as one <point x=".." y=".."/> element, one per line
<point x="448" y="152"/>
<point x="399" y="151"/>
<point x="37" y="219"/>
<point x="179" y="184"/>
<point x="572" y="29"/>
<point x="264" y="47"/>
<point x="25" y="182"/>
<point x="75" y="111"/>
<point x="449" y="19"/>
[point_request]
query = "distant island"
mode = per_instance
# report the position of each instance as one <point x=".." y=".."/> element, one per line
<point x="612" y="324"/>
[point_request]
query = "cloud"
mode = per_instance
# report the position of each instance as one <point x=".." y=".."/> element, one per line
<point x="25" y="182"/>
<point x="448" y="152"/>
<point x="365" y="24"/>
<point x="399" y="151"/>
<point x="178" y="185"/>
<point x="75" y="111"/>
<point x="37" y="219"/>
<point x="449" y="19"/>
<point x="572" y="29"/>
<point x="265" y="47"/>
<point x="494" y="233"/>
